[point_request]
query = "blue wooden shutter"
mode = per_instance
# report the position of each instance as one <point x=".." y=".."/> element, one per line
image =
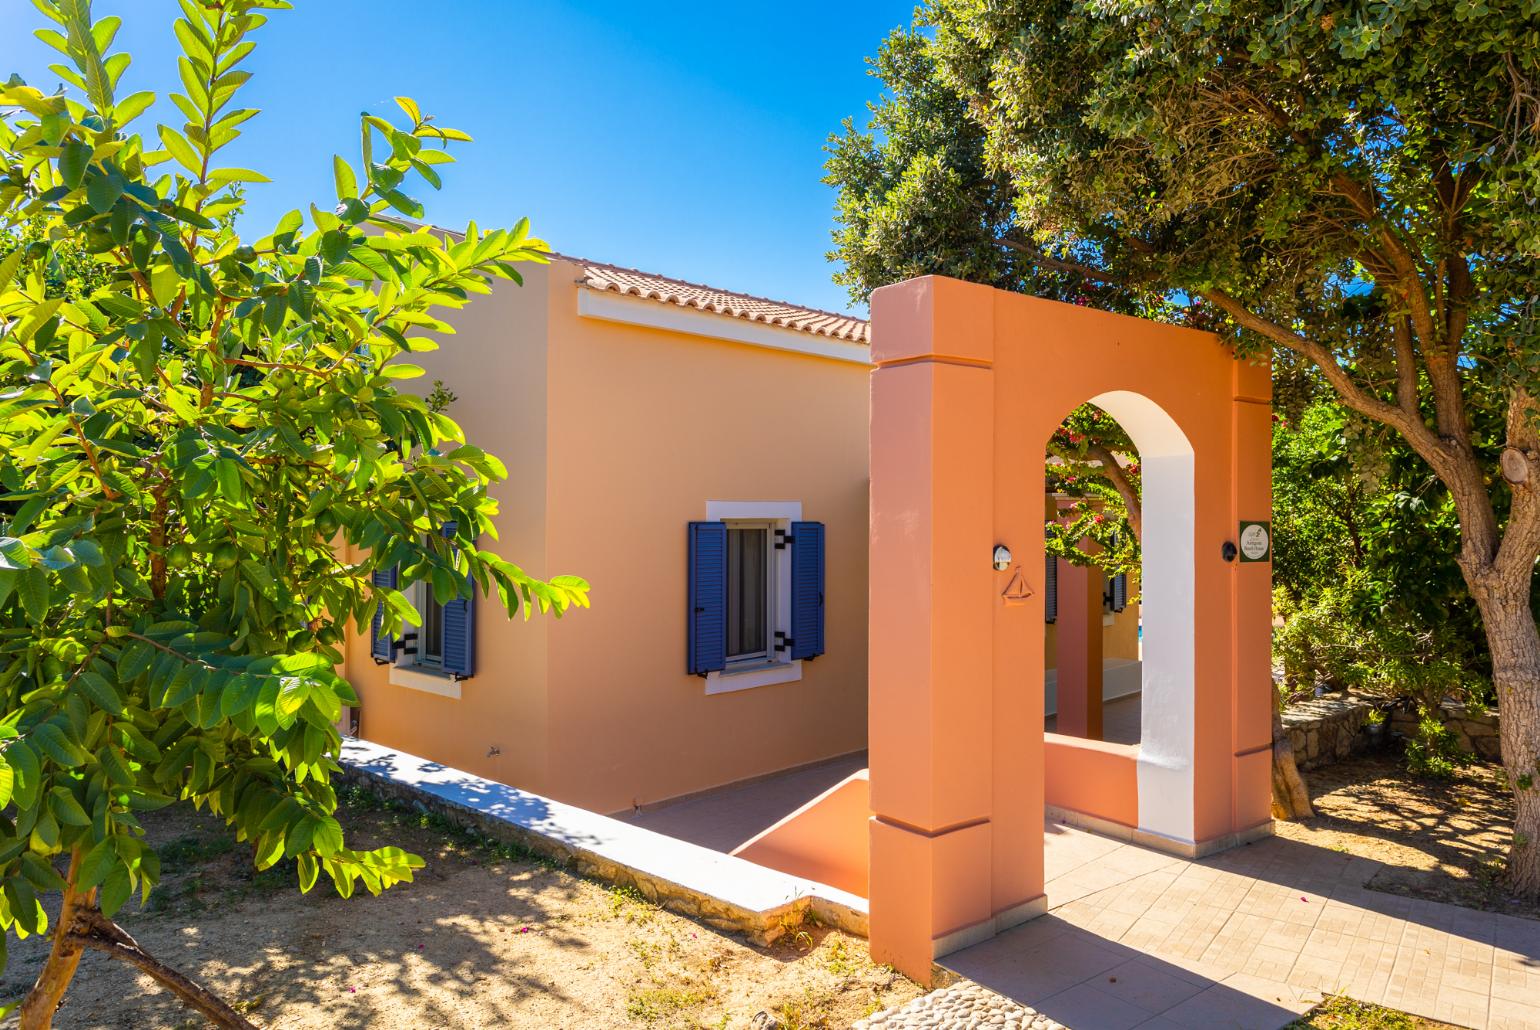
<point x="382" y="648"/>
<point x="807" y="583"/>
<point x="1051" y="590"/>
<point x="706" y="647"/>
<point x="460" y="626"/>
<point x="1120" y="591"/>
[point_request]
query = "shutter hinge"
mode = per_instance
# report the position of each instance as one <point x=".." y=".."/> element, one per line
<point x="782" y="539"/>
<point x="408" y="643"/>
<point x="782" y="641"/>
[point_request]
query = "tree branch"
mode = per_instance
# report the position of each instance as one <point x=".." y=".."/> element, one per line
<point x="94" y="930"/>
<point x="1354" y="396"/>
<point x="1036" y="256"/>
<point x="1122" y="484"/>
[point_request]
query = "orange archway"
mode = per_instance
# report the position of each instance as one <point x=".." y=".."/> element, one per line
<point x="968" y="385"/>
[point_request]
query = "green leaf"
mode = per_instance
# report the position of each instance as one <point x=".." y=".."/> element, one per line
<point x="41" y="874"/>
<point x="186" y="156"/>
<point x="347" y="185"/>
<point x="32" y="586"/>
<point x="15" y="554"/>
<point x="22" y="760"/>
<point x="408" y="105"/>
<point x="102" y="192"/>
<point x="135" y="662"/>
<point x="7" y="783"/>
<point x="116" y="889"/>
<point x="309" y="870"/>
<point x="104" y="694"/>
<point x="228" y="473"/>
<point x="58" y="746"/>
<point x="97" y="864"/>
<point x="326" y="838"/>
<point x="132" y="106"/>
<point x="67" y="809"/>
<point x="73" y="159"/>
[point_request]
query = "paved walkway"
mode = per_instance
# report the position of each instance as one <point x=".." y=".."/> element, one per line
<point x="1248" y="939"/>
<point x="1120" y="720"/>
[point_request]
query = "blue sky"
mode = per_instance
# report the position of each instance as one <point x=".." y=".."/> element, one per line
<point x="684" y="139"/>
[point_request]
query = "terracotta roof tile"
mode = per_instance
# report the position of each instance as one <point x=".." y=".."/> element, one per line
<point x="634" y="283"/>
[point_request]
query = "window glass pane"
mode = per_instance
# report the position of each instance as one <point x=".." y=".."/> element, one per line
<point x="432" y="628"/>
<point x="746" y="592"/>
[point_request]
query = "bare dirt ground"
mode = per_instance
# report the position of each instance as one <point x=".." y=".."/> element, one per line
<point x="485" y="937"/>
<point x="1440" y="840"/>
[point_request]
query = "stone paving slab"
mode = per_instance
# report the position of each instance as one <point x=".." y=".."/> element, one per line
<point x="1249" y="938"/>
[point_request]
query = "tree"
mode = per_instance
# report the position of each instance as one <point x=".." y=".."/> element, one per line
<point x="1092" y="460"/>
<point x="1350" y="187"/>
<point x="1364" y="540"/>
<point x="192" y="424"/>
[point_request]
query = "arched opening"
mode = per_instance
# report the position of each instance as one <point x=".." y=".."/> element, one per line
<point x="1091" y="615"/>
<point x="1139" y="775"/>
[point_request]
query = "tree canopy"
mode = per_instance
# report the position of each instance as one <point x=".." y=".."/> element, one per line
<point x="205" y="454"/>
<point x="1352" y="189"/>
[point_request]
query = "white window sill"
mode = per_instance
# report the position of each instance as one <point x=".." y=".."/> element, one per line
<point x="756" y="674"/>
<point x="438" y="683"/>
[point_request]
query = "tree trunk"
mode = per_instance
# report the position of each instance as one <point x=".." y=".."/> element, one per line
<point x="48" y="990"/>
<point x="1291" y="800"/>
<point x="1515" y="643"/>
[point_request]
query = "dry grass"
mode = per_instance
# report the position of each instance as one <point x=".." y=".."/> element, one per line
<point x="1338" y="1013"/>
<point x="487" y="936"/>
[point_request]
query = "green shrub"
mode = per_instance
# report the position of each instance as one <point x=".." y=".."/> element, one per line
<point x="1345" y="638"/>
<point x="1435" y="751"/>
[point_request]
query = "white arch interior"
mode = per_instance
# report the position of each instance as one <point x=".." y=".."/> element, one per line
<point x="1167" y="707"/>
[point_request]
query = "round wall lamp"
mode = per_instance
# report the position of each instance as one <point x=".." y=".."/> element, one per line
<point x="1002" y="558"/>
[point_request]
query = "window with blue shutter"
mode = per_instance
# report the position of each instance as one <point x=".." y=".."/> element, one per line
<point x="1051" y="589"/>
<point x="1118" y="592"/>
<point x="706" y="617"/>
<point x="458" y="626"/>
<point x="382" y="648"/>
<point x="807" y="590"/>
<point x="459" y="635"/>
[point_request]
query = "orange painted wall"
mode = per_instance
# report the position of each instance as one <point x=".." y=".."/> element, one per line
<point x="826" y="839"/>
<point x="615" y="437"/>
<point x="968" y="386"/>
<point x="1093" y="777"/>
<point x="499" y="727"/>
<point x="646" y="427"/>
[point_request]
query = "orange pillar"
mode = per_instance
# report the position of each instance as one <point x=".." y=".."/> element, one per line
<point x="1078" y="641"/>
<point x="1251" y="599"/>
<point x="933" y="600"/>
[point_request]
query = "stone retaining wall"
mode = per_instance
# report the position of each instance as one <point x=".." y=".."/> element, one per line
<point x="1328" y="729"/>
<point x="1476" y="733"/>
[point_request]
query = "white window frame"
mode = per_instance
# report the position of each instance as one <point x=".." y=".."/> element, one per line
<point x="773" y="592"/>
<point x="408" y="670"/>
<point x="770" y="670"/>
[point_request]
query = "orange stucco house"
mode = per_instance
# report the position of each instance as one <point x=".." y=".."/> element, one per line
<point x="658" y="434"/>
<point x="655" y="432"/>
